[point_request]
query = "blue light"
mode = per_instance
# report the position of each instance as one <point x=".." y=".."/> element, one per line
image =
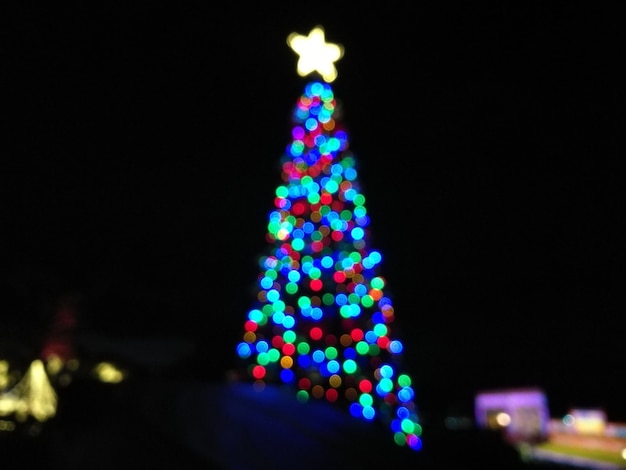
<point x="357" y="233"/>
<point x="293" y="275"/>
<point x="304" y="360"/>
<point x="287" y="375"/>
<point x="319" y="356"/>
<point x="317" y="313"/>
<point x="289" y="321"/>
<point x="243" y="350"/>
<point x="333" y="366"/>
<point x="278" y="318"/>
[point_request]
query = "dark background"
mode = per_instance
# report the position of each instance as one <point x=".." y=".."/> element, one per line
<point x="143" y="151"/>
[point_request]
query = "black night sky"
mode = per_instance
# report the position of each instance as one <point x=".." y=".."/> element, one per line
<point x="143" y="151"/>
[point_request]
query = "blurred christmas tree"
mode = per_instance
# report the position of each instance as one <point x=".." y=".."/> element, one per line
<point x="322" y="322"/>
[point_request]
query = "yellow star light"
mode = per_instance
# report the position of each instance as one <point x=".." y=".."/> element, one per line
<point x="315" y="53"/>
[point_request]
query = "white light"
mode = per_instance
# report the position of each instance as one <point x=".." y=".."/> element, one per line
<point x="109" y="373"/>
<point x="32" y="395"/>
<point x="503" y="419"/>
<point x="315" y="53"/>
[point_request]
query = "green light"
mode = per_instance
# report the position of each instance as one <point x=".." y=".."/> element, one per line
<point x="407" y="426"/>
<point x="399" y="438"/>
<point x="263" y="359"/>
<point x="291" y="287"/>
<point x="273" y="354"/>
<point x="331" y="186"/>
<point x="315" y="273"/>
<point x="386" y="385"/>
<point x="359" y="200"/>
<point x="289" y="336"/>
<point x="313" y="198"/>
<point x="362" y="347"/>
<point x="297" y="147"/>
<point x="367" y="301"/>
<point x="326" y="93"/>
<point x="316" y="236"/>
<point x="303" y="348"/>
<point x="366" y="399"/>
<point x="304" y="302"/>
<point x="330" y="352"/>
<point x="297" y="244"/>
<point x="345" y="311"/>
<point x="302" y="396"/>
<point x="349" y="366"/>
<point x="404" y="380"/>
<point x="347" y="162"/>
<point x="359" y="211"/>
<point x="334" y="143"/>
<point x="336" y="224"/>
<point x="380" y="329"/>
<point x="273" y="227"/>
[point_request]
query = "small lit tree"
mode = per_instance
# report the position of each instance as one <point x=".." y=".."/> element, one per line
<point x="322" y="322"/>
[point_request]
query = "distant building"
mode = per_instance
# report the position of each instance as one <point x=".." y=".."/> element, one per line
<point x="521" y="414"/>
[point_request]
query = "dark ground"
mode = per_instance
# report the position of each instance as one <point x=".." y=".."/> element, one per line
<point x="174" y="417"/>
<point x="202" y="425"/>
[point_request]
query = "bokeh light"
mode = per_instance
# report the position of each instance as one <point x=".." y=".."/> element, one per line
<point x="322" y="321"/>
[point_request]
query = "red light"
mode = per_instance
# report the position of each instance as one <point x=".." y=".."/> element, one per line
<point x="317" y="246"/>
<point x="331" y="395"/>
<point x="316" y="333"/>
<point x="316" y="285"/>
<point x="365" y="386"/>
<point x="258" y="372"/>
<point x="391" y="399"/>
<point x="356" y="334"/>
<point x="280" y="202"/>
<point x="331" y="340"/>
<point x="289" y="349"/>
<point x="298" y="208"/>
<point x="337" y="205"/>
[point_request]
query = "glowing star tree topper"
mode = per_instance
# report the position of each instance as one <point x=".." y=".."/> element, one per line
<point x="316" y="54"/>
<point x="321" y="322"/>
